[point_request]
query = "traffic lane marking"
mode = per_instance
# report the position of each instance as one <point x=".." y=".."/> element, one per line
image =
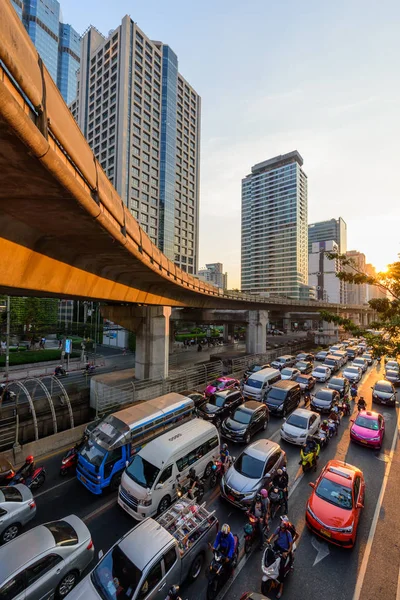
<point x="54" y="487"/>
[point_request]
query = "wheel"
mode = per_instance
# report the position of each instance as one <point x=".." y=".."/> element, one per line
<point x="66" y="584"/>
<point x="115" y="481"/>
<point x="164" y="504"/>
<point x="10" y="533"/>
<point x="212" y="589"/>
<point x="39" y="481"/>
<point x="213" y="480"/>
<point x="64" y="472"/>
<point x="247" y="438"/>
<point x="248" y="544"/>
<point x="195" y="567"/>
<point x="265" y="424"/>
<point x="208" y="470"/>
<point x="267" y="586"/>
<point x="235" y="559"/>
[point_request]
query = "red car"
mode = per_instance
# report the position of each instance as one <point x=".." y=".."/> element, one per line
<point x="368" y="429"/>
<point x="222" y="383"/>
<point x="334" y="507"/>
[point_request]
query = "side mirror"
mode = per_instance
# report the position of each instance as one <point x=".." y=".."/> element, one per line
<point x="100" y="554"/>
<point x="359" y="505"/>
<point x="127" y="463"/>
<point x="311" y="484"/>
<point x="159" y="486"/>
<point x="284" y="418"/>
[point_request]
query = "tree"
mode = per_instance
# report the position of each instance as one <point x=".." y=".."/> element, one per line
<point x="387" y="309"/>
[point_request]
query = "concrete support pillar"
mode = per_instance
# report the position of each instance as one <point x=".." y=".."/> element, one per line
<point x="286" y="322"/>
<point x="256" y="334"/>
<point x="152" y="343"/>
<point x="229" y="332"/>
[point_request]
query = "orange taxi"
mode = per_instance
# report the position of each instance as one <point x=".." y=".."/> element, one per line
<point x="334" y="507"/>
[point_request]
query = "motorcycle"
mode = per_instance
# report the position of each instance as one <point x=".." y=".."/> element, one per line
<point x="276" y="501"/>
<point x="70" y="460"/>
<point x="250" y="532"/>
<point x="345" y="408"/>
<point x="219" y="571"/>
<point x="333" y="427"/>
<point x="89" y="369"/>
<point x="270" y="564"/>
<point x="307" y="398"/>
<point x="194" y="494"/>
<point x="361" y="405"/>
<point x="5" y="394"/>
<point x="322" y="438"/>
<point x="34" y="481"/>
<point x="60" y="372"/>
<point x="309" y="459"/>
<point x="218" y="470"/>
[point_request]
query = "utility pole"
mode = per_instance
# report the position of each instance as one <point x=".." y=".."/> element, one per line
<point x="8" y="338"/>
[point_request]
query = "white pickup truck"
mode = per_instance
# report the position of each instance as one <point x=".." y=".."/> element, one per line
<point x="153" y="556"/>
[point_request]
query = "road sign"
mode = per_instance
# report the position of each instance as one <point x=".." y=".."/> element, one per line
<point x="68" y="346"/>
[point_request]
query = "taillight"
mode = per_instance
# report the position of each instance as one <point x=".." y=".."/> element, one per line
<point x="32" y="504"/>
<point x="90" y="545"/>
<point x="244" y="596"/>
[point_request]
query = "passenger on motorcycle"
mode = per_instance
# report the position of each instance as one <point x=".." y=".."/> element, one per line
<point x="225" y="542"/>
<point x="309" y="451"/>
<point x="283" y="543"/>
<point x="361" y="404"/>
<point x="225" y="457"/>
<point x="353" y="391"/>
<point x="325" y="426"/>
<point x="281" y="481"/>
<point x="194" y="482"/>
<point x="258" y="511"/>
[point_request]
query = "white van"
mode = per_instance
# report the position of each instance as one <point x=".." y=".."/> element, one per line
<point x="259" y="383"/>
<point x="148" y="484"/>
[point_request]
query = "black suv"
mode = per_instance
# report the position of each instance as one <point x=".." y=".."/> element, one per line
<point x="245" y="421"/>
<point x="324" y="400"/>
<point x="220" y="406"/>
<point x="305" y="356"/>
<point x="340" y="384"/>
<point x="283" y="397"/>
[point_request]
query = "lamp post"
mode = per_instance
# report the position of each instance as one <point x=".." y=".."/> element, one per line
<point x="8" y="338"/>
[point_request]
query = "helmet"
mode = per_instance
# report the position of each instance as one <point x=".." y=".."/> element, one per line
<point x="325" y="422"/>
<point x="29" y="459"/>
<point x="264" y="493"/>
<point x="225" y="529"/>
<point x="284" y="519"/>
<point x="258" y="497"/>
<point x="283" y="524"/>
<point x="224" y="447"/>
<point x="279" y="471"/>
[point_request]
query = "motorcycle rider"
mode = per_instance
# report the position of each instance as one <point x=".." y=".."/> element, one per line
<point x="194" y="483"/>
<point x="27" y="468"/>
<point x="281" y="481"/>
<point x="258" y="511"/>
<point x="294" y="534"/>
<point x="361" y="404"/>
<point x="307" y="398"/>
<point x="283" y="543"/>
<point x="225" y="543"/>
<point x="353" y="391"/>
<point x="59" y="371"/>
<point x="225" y="457"/>
<point x="309" y="450"/>
<point x="325" y="426"/>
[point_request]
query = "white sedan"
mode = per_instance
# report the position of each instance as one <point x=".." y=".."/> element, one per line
<point x="290" y="373"/>
<point x="299" y="425"/>
<point x="322" y="373"/>
<point x="352" y="373"/>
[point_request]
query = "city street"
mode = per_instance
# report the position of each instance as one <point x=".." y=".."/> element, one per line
<point x="321" y="570"/>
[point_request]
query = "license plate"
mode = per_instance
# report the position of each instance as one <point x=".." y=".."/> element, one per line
<point x="383" y="401"/>
<point x="326" y="533"/>
<point x="231" y="498"/>
<point x="363" y="441"/>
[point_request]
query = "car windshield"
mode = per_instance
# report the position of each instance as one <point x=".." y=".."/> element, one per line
<point x="301" y="356"/>
<point x="324" y="395"/>
<point x="218" y="400"/>
<point x="218" y="384"/>
<point x="320" y="370"/>
<point x="302" y="379"/>
<point x="254" y="383"/>
<point x="334" y="493"/>
<point x="323" y="353"/>
<point x="64" y="534"/>
<point x="242" y="416"/>
<point x="142" y="472"/>
<point x="352" y="370"/>
<point x="358" y="361"/>
<point x="93" y="453"/>
<point x="256" y="368"/>
<point x="383" y="387"/>
<point x="249" y="466"/>
<point x="276" y="396"/>
<point x="116" y="577"/>
<point x="367" y="423"/>
<point x="336" y="381"/>
<point x="10" y="494"/>
<point x="301" y="364"/>
<point x="287" y="372"/>
<point x="297" y="421"/>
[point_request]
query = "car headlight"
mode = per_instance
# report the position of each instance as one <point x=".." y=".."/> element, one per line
<point x="303" y="435"/>
<point x="280" y="407"/>
<point x="145" y="502"/>
<point x="211" y="415"/>
<point x="345" y="529"/>
<point x="375" y="439"/>
<point x="249" y="495"/>
<point x="310" y="512"/>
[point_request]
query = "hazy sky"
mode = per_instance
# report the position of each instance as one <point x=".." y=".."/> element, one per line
<point x="317" y="76"/>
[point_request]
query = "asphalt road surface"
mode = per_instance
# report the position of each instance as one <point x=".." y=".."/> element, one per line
<point x="322" y="571"/>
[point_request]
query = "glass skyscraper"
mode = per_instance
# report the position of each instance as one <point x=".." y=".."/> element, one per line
<point x="274" y="228"/>
<point x="325" y="231"/>
<point x="57" y="43"/>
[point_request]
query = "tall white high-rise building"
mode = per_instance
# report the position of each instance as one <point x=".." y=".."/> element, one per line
<point x="322" y="273"/>
<point x="142" y="119"/>
<point x="274" y="228"/>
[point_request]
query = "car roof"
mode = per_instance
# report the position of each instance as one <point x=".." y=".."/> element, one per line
<point x="226" y="378"/>
<point x="285" y="384"/>
<point x="369" y="414"/>
<point x="260" y="375"/>
<point x="340" y="472"/>
<point x="383" y="382"/>
<point x="141" y="554"/>
<point x="286" y="356"/>
<point x="262" y="448"/>
<point x="225" y="393"/>
<point x="303" y="412"/>
<point x="320" y="367"/>
<point x="23" y="549"/>
<point x="251" y="405"/>
<point x="304" y="376"/>
<point x="327" y="390"/>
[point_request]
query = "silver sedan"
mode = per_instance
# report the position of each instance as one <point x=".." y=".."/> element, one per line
<point x="17" y="507"/>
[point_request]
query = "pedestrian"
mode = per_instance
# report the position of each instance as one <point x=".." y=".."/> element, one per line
<point x="124" y="351"/>
<point x="60" y="344"/>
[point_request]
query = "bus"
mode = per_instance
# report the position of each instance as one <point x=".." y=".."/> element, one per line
<point x="117" y="437"/>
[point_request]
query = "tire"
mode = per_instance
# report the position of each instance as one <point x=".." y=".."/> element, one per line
<point x="235" y="560"/>
<point x="10" y="533"/>
<point x="67" y="583"/>
<point x="208" y="469"/>
<point x="248" y="544"/>
<point x="267" y="587"/>
<point x="195" y="567"/>
<point x="115" y="481"/>
<point x="212" y="589"/>
<point x="164" y="504"/>
<point x="39" y="482"/>
<point x="64" y="472"/>
<point x="213" y="480"/>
